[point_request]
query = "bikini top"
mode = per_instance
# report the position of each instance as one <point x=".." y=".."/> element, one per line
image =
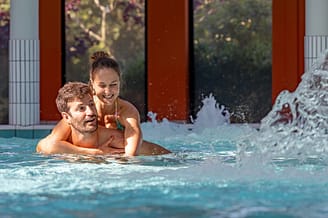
<point x="119" y="126"/>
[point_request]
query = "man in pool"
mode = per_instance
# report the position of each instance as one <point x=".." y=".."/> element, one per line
<point x="75" y="103"/>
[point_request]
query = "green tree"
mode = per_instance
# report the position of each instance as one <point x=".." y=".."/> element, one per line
<point x="232" y="55"/>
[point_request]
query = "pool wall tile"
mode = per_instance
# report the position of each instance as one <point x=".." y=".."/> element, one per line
<point x="41" y="133"/>
<point x="24" y="134"/>
<point x="7" y="133"/>
<point x="35" y="131"/>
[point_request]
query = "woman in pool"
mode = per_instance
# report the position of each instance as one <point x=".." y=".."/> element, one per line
<point x="113" y="112"/>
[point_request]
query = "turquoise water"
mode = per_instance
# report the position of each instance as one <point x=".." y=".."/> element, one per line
<point x="202" y="178"/>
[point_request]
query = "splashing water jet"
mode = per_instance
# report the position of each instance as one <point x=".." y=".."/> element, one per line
<point x="297" y="126"/>
<point x="211" y="114"/>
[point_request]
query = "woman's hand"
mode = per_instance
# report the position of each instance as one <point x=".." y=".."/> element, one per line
<point x="110" y="121"/>
<point x="107" y="148"/>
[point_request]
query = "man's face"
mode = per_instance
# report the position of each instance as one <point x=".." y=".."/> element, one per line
<point x="82" y="115"/>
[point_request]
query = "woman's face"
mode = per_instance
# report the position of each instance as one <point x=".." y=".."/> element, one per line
<point x="106" y="83"/>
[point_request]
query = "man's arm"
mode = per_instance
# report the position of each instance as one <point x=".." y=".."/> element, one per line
<point x="48" y="146"/>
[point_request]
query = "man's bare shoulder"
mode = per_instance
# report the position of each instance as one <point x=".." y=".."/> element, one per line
<point x="45" y="146"/>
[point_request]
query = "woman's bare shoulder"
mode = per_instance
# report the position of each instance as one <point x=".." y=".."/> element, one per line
<point x="126" y="108"/>
<point x="61" y="131"/>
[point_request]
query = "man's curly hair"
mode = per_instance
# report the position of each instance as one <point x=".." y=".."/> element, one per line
<point x="69" y="92"/>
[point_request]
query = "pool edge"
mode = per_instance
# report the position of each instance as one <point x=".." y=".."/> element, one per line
<point x="33" y="131"/>
<point x="42" y="130"/>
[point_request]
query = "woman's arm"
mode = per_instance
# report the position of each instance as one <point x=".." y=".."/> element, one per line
<point x="132" y="132"/>
<point x="46" y="146"/>
<point x="61" y="132"/>
<point x="57" y="143"/>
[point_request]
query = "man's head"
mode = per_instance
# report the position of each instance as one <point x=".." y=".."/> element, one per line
<point x="69" y="93"/>
<point x="75" y="103"/>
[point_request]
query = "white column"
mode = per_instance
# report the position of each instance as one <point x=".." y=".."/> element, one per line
<point x="316" y="30"/>
<point x="24" y="106"/>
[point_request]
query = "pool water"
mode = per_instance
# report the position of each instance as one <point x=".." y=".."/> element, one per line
<point x="217" y="169"/>
<point x="202" y="178"/>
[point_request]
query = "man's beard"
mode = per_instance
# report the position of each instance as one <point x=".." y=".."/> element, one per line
<point x="83" y="129"/>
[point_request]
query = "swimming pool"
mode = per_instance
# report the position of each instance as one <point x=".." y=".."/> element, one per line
<point x="216" y="169"/>
<point x="202" y="178"/>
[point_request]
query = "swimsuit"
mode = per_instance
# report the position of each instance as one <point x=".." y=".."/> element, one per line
<point x="119" y="126"/>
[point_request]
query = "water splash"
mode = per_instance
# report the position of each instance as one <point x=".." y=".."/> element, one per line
<point x="297" y="126"/>
<point x="210" y="117"/>
<point x="211" y="114"/>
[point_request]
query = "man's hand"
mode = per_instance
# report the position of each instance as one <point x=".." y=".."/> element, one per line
<point x="106" y="147"/>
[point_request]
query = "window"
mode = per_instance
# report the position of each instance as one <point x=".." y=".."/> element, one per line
<point x="232" y="56"/>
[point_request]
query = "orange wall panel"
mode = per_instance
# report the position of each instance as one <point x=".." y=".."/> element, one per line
<point x="288" y="31"/>
<point x="168" y="58"/>
<point x="50" y="28"/>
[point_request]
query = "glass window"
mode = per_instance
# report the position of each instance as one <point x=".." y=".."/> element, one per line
<point x="232" y="56"/>
<point x="115" y="26"/>
<point x="4" y="62"/>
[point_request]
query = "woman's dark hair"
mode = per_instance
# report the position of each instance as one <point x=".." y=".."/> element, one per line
<point x="100" y="60"/>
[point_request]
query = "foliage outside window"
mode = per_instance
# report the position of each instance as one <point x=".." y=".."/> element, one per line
<point x="232" y="56"/>
<point x="115" y="26"/>
<point x="4" y="54"/>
